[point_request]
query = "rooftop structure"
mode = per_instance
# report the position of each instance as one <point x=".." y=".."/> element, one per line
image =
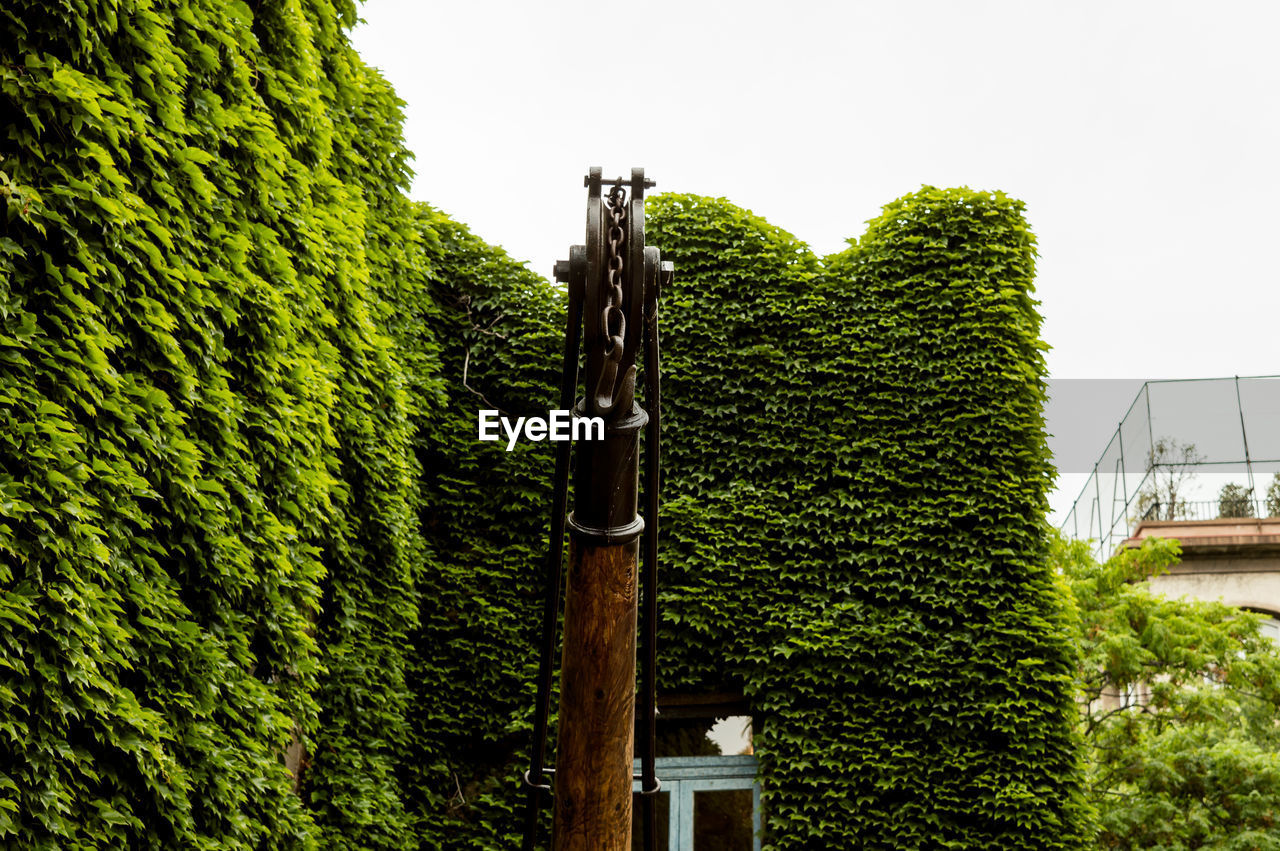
<point x="1187" y="452"/>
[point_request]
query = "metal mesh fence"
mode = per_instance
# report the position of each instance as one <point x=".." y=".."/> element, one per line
<point x="1189" y="449"/>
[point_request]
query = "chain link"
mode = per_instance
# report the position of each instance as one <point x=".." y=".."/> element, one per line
<point x="612" y="320"/>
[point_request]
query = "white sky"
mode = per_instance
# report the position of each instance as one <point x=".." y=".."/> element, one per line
<point x="1144" y="137"/>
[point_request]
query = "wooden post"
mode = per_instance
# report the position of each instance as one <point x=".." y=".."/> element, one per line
<point x="597" y="701"/>
<point x="598" y="668"/>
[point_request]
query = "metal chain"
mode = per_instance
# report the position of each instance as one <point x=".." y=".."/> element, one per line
<point x="613" y="321"/>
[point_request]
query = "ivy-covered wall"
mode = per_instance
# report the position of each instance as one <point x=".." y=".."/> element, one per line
<point x="855" y="485"/>
<point x="261" y="587"/>
<point x="500" y="328"/>
<point x="207" y="494"/>
<point x="856" y="480"/>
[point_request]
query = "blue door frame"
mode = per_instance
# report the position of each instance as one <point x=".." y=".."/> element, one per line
<point x="682" y="776"/>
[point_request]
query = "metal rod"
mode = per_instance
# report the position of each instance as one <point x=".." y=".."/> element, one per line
<point x="1097" y="500"/>
<point x="1244" y="436"/>
<point x="649" y="601"/>
<point x="1124" y="485"/>
<point x="618" y="181"/>
<point x="1151" y="451"/>
<point x="555" y="557"/>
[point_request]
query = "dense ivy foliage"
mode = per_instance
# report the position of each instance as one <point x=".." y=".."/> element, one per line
<point x="855" y="484"/>
<point x="857" y="480"/>
<point x="207" y="546"/>
<point x="485" y="519"/>
<point x="261" y="587"/>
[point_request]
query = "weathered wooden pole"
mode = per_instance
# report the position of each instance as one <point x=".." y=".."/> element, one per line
<point x="613" y="282"/>
<point x="597" y="674"/>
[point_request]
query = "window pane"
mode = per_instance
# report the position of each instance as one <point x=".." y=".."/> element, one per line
<point x="685" y="737"/>
<point x="709" y="736"/>
<point x="663" y="803"/>
<point x="732" y="735"/>
<point x="722" y="820"/>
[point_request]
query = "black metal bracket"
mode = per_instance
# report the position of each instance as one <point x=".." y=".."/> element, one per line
<point x="655" y="789"/>
<point x="618" y="181"/>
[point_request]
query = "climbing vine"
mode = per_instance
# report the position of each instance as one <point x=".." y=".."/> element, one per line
<point x="260" y="587"/>
<point x="207" y="551"/>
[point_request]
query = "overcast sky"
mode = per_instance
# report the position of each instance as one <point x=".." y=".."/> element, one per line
<point x="1144" y="138"/>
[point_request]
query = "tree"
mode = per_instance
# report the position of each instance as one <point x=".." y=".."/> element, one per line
<point x="1168" y="474"/>
<point x="1178" y="701"/>
<point x="1273" y="496"/>
<point x="1235" y="501"/>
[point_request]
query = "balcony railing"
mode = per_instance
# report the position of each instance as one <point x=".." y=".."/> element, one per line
<point x="1203" y="509"/>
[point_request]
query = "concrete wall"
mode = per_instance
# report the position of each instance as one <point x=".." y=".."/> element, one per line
<point x="1236" y="561"/>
